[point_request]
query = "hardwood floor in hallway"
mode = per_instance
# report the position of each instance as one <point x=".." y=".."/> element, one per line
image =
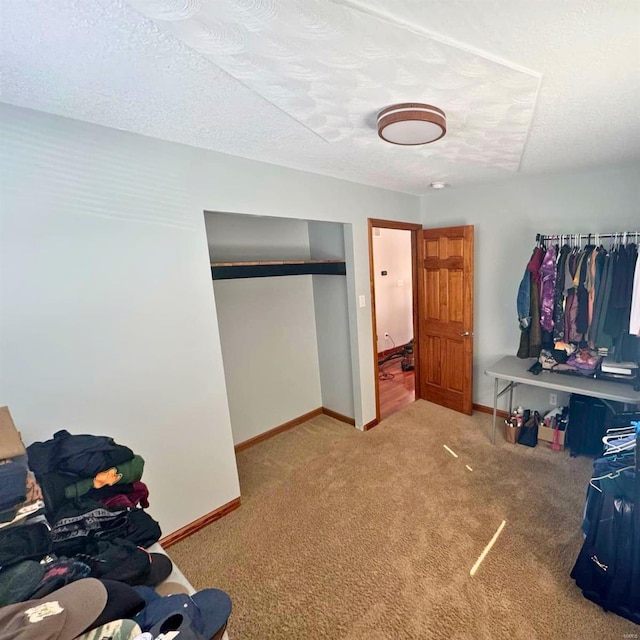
<point x="397" y="387"/>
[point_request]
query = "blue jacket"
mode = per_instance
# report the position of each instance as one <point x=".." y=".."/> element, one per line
<point x="523" y="302"/>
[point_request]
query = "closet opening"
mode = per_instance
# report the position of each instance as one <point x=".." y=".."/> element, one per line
<point x="281" y="297"/>
<point x="394" y="310"/>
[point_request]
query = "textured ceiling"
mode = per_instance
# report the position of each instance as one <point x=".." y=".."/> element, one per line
<point x="527" y="87"/>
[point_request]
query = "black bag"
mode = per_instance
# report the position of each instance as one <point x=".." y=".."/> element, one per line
<point x="529" y="432"/>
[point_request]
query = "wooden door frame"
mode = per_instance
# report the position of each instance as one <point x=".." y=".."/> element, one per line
<point x="414" y="229"/>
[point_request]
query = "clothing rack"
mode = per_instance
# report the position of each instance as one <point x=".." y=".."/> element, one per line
<point x="577" y="238"/>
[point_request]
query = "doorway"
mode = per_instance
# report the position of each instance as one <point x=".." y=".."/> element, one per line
<point x="394" y="288"/>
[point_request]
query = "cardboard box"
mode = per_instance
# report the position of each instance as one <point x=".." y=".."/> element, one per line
<point x="546" y="434"/>
<point x="10" y="441"/>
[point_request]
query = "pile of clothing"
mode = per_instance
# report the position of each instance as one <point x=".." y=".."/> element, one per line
<point x="72" y="512"/>
<point x="93" y="493"/>
<point x="20" y="495"/>
<point x="568" y="359"/>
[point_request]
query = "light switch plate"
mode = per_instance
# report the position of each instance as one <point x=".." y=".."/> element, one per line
<point x="362" y="301"/>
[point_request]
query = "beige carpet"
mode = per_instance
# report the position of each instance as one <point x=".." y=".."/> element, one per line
<point x="350" y="535"/>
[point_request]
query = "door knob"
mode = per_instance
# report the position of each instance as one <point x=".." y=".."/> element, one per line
<point x="464" y="334"/>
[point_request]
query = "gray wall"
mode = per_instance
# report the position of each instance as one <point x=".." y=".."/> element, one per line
<point x="248" y="237"/>
<point x="236" y="185"/>
<point x="107" y="308"/>
<point x="106" y="302"/>
<point x="267" y="325"/>
<point x="269" y="349"/>
<point x="327" y="241"/>
<point x="507" y="215"/>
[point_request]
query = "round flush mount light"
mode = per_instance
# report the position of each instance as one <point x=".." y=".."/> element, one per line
<point x="411" y="123"/>
<point x="438" y="184"/>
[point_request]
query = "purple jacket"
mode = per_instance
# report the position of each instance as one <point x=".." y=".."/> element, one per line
<point x="548" y="277"/>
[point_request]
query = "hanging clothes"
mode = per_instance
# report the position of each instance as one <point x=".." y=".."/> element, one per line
<point x="558" y="307"/>
<point x="571" y="297"/>
<point x="531" y="338"/>
<point x="580" y="284"/>
<point x="548" y="286"/>
<point x="634" y="316"/>
<point x="615" y="320"/>
<point x="574" y="298"/>
<point x="601" y="262"/>
<point x="602" y="338"/>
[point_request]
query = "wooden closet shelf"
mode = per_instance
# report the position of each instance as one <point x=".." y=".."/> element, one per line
<point x="267" y="268"/>
<point x="252" y="263"/>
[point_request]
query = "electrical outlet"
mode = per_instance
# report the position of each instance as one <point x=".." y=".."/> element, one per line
<point x="553" y="399"/>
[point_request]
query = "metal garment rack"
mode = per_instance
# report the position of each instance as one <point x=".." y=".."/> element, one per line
<point x="576" y="239"/>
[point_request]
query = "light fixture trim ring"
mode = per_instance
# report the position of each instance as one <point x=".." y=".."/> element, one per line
<point x="412" y="113"/>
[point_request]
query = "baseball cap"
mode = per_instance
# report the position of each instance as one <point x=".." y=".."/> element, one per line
<point x="62" y="615"/>
<point x="215" y="608"/>
<point x="116" y="630"/>
<point x="176" y="623"/>
<point x="204" y="613"/>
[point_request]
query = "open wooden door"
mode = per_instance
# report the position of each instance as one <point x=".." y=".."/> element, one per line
<point x="445" y="316"/>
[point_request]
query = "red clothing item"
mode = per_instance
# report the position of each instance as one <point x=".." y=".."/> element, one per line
<point x="535" y="263"/>
<point x="139" y="495"/>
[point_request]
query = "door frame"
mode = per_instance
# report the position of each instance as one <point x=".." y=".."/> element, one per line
<point x="414" y="228"/>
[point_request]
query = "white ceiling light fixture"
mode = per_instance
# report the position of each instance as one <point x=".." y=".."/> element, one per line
<point x="438" y="184"/>
<point x="411" y="123"/>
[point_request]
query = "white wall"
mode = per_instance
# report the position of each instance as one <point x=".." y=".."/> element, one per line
<point x="108" y="317"/>
<point x="267" y="325"/>
<point x="507" y="215"/>
<point x="394" y="292"/>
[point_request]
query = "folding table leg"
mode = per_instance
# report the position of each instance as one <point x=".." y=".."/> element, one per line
<point x="495" y="411"/>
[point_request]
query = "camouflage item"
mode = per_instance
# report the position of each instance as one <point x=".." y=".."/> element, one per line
<point x="116" y="630"/>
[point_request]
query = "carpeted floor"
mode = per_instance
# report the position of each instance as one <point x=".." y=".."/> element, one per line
<point x="349" y="535"/>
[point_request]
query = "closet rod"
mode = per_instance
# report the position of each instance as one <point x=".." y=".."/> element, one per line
<point x="541" y="237"/>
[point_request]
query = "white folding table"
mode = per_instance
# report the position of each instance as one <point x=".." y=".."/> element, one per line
<point x="515" y="371"/>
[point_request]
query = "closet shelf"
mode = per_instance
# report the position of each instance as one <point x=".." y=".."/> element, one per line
<point x="267" y="268"/>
